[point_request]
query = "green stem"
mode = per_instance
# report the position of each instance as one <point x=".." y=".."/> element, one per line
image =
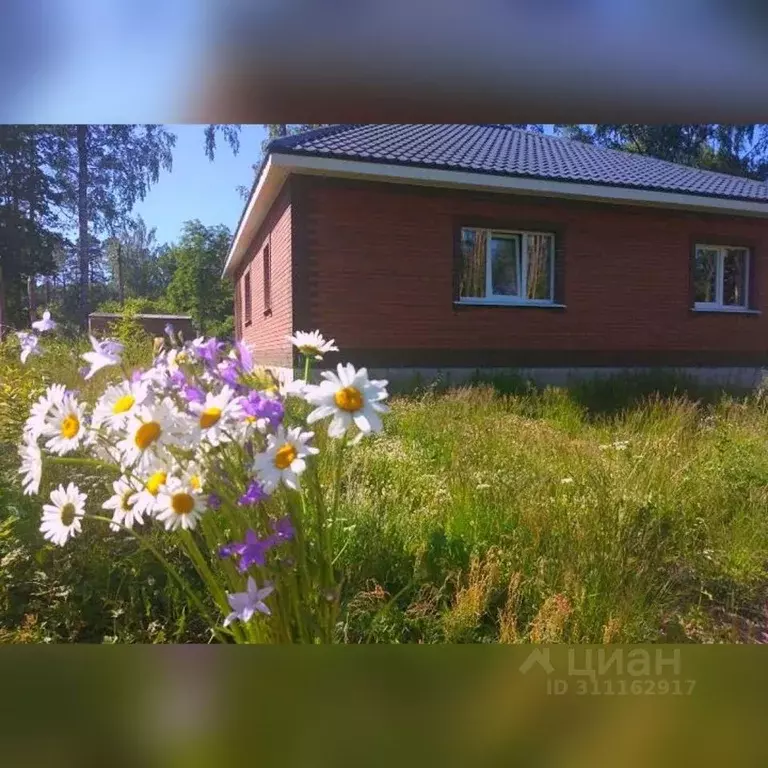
<point x="208" y="578"/>
<point x="172" y="571"/>
<point x="304" y="580"/>
<point x="83" y="462"/>
<point x="203" y="568"/>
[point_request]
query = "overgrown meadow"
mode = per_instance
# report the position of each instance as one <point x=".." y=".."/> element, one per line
<point x="628" y="510"/>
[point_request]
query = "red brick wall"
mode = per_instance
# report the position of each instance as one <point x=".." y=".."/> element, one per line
<point x="380" y="280"/>
<point x="268" y="329"/>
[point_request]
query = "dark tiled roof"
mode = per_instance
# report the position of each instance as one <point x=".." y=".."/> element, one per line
<point x="503" y="150"/>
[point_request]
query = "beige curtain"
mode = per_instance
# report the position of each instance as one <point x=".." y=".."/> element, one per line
<point x="539" y="265"/>
<point x="474" y="244"/>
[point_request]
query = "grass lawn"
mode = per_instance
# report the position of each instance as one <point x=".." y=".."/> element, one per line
<point x="600" y="514"/>
<point x="487" y="513"/>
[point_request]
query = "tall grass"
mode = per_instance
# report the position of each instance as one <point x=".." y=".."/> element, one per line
<point x="628" y="510"/>
<point x="556" y="515"/>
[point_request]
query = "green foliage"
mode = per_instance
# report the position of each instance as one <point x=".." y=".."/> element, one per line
<point x="123" y="161"/>
<point x="197" y="287"/>
<point x="137" y="264"/>
<point x="28" y="215"/>
<point x="231" y="133"/>
<point x="136" y="306"/>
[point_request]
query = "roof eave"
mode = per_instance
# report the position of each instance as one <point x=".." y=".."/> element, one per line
<point x="265" y="190"/>
<point x="280" y="164"/>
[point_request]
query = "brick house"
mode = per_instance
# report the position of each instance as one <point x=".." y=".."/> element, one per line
<point x="458" y="247"/>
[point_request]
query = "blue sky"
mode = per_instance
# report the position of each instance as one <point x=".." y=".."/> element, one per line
<point x="197" y="188"/>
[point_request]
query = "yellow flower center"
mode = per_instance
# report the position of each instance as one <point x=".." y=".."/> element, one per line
<point x="194" y="481"/>
<point x="146" y="434"/>
<point x="70" y="426"/>
<point x="182" y="503"/>
<point x="284" y="456"/>
<point x="250" y="419"/>
<point x="349" y="399"/>
<point x="155" y="481"/>
<point x="68" y="514"/>
<point x="123" y="404"/>
<point x="209" y="417"/>
<point x="182" y="357"/>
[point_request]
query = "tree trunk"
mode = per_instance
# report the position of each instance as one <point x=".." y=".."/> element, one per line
<point x="82" y="216"/>
<point x="32" y="299"/>
<point x="120" y="286"/>
<point x="2" y="305"/>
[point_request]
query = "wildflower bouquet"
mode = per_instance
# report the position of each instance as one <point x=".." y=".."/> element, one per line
<point x="219" y="455"/>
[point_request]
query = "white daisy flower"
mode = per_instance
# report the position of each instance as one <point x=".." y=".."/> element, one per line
<point x="29" y="345"/>
<point x="46" y="324"/>
<point x="295" y="388"/>
<point x="64" y="425"/>
<point x="146" y="501"/>
<point x="312" y="344"/>
<point x="123" y="503"/>
<point x="149" y="432"/>
<point x="61" y="518"/>
<point x="40" y="410"/>
<point x="119" y="403"/>
<point x="31" y="466"/>
<point x="284" y="458"/>
<point x="180" y="504"/>
<point x="214" y="413"/>
<point x="194" y="476"/>
<point x="177" y="357"/>
<point x="104" y="354"/>
<point x="350" y="398"/>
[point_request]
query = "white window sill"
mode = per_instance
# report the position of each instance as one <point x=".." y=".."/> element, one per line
<point x="726" y="310"/>
<point x="502" y="303"/>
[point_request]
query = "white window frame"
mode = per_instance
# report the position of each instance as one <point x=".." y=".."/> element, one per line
<point x="521" y="300"/>
<point x="717" y="305"/>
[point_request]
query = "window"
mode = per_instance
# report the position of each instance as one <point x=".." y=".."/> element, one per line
<point x="247" y="287"/>
<point x="721" y="278"/>
<point x="267" y="280"/>
<point x="238" y="310"/>
<point x="506" y="267"/>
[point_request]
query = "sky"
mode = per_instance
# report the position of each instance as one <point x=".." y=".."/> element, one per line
<point x="197" y="188"/>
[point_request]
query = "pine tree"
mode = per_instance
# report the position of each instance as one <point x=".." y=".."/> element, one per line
<point x="104" y="170"/>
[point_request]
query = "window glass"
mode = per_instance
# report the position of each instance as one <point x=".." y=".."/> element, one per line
<point x="505" y="266"/>
<point x="247" y="286"/>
